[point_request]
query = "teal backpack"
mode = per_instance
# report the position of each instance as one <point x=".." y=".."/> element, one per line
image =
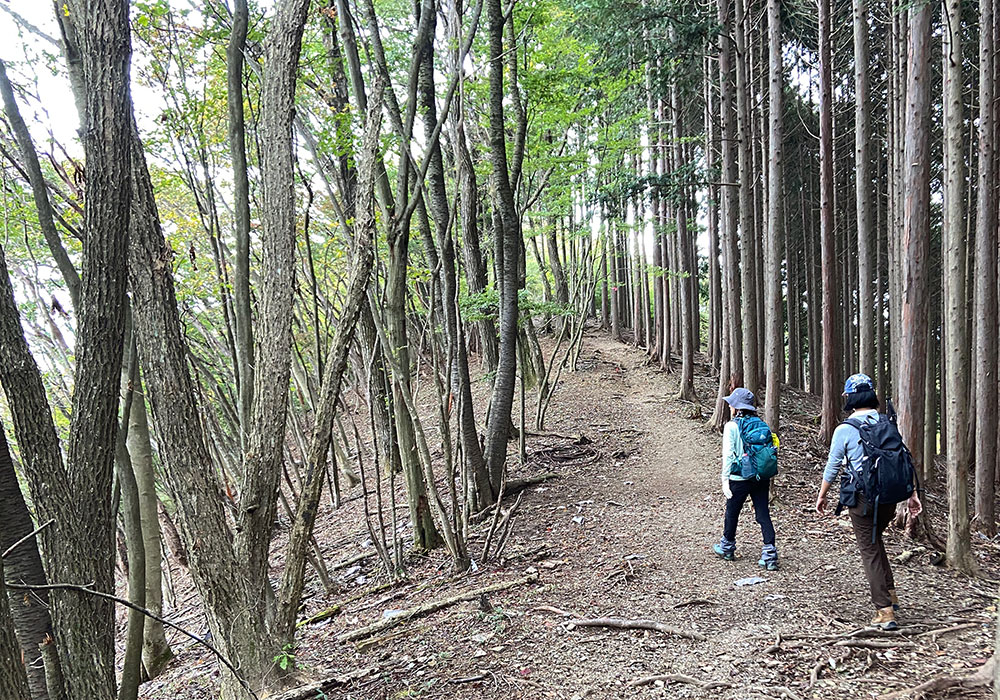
<point x="760" y="456"/>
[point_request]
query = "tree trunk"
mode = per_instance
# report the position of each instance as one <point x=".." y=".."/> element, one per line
<point x="915" y="243"/>
<point x="686" y="391"/>
<point x="24" y="566"/>
<point x="954" y="327"/>
<point x="13" y="680"/>
<point x="241" y="216"/>
<point x="293" y="577"/>
<point x="748" y="261"/>
<point x="497" y="429"/>
<point x="985" y="286"/>
<point x="156" y="651"/>
<point x="272" y="371"/>
<point x="865" y="188"/>
<point x="831" y="295"/>
<point x="39" y="190"/>
<point x="774" y="320"/>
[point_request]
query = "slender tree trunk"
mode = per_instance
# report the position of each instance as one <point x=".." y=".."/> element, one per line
<point x="39" y="189"/>
<point x="241" y="215"/>
<point x="497" y="431"/>
<point x="272" y="371"/>
<point x="23" y="566"/>
<point x="985" y="285"/>
<point x="831" y="293"/>
<point x="954" y="327"/>
<point x="865" y="188"/>
<point x="686" y="390"/>
<point x="774" y="321"/>
<point x="748" y="261"/>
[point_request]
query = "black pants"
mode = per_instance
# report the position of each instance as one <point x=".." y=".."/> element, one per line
<point x="758" y="493"/>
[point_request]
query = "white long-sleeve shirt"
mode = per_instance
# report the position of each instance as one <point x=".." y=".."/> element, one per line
<point x="732" y="451"/>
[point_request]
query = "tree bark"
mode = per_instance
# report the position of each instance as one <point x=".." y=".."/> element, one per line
<point x="748" y="261"/>
<point x="23" y="565"/>
<point x="688" y="282"/>
<point x="510" y="234"/>
<point x="241" y="215"/>
<point x="985" y="285"/>
<point x="865" y="188"/>
<point x="915" y="243"/>
<point x="831" y="295"/>
<point x="773" y="309"/>
<point x="13" y="680"/>
<point x="956" y="341"/>
<point x="293" y="577"/>
<point x="263" y="456"/>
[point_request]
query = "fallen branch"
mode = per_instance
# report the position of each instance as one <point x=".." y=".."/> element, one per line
<point x="318" y="688"/>
<point x="982" y="678"/>
<point x="428" y="608"/>
<point x="696" y="601"/>
<point x="935" y="633"/>
<point x="352" y="560"/>
<point x="784" y="692"/>
<point x="652" y="625"/>
<point x="678" y="678"/>
<point x="873" y="644"/>
<point x="326" y="614"/>
<point x="776" y="647"/>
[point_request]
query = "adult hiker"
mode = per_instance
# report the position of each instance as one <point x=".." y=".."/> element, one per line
<point x="878" y="474"/>
<point x="749" y="460"/>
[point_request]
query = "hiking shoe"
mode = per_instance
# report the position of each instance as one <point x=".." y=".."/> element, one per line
<point x="728" y="556"/>
<point x="894" y="598"/>
<point x="769" y="565"/>
<point x="885" y="619"/>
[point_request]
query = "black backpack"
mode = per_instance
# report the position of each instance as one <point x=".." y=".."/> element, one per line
<point x="886" y="475"/>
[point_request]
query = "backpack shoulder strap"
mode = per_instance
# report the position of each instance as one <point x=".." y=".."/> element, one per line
<point x="853" y="422"/>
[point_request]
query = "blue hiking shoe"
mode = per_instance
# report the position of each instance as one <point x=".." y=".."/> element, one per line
<point x="728" y="556"/>
<point x="769" y="565"/>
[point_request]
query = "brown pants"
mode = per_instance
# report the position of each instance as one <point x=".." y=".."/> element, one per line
<point x="873" y="556"/>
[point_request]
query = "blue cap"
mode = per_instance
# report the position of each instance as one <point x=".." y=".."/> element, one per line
<point x="858" y="382"/>
<point x="741" y="399"/>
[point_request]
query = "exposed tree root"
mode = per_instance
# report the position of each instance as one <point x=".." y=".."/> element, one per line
<point x="679" y="678"/>
<point x="653" y="625"/>
<point x="980" y="679"/>
<point x="428" y="608"/>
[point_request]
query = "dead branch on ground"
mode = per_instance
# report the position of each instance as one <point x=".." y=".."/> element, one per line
<point x="679" y="678"/>
<point x="428" y="608"/>
<point x="653" y="625"/>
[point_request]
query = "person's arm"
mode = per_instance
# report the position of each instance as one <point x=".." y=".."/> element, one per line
<point x="727" y="454"/>
<point x="838" y="450"/>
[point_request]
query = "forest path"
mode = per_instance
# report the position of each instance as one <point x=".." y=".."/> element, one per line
<point x="644" y="551"/>
<point x="626" y="531"/>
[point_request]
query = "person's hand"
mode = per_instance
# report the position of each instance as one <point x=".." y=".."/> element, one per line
<point x="914" y="506"/>
<point x="726" y="491"/>
<point x="821" y="504"/>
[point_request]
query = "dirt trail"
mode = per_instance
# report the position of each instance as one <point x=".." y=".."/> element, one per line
<point x="629" y="535"/>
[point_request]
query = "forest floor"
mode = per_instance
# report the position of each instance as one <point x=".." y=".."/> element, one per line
<point x="626" y="531"/>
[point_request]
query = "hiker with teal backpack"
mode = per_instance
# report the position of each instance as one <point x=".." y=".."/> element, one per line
<point x="749" y="462"/>
<point x="877" y="474"/>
